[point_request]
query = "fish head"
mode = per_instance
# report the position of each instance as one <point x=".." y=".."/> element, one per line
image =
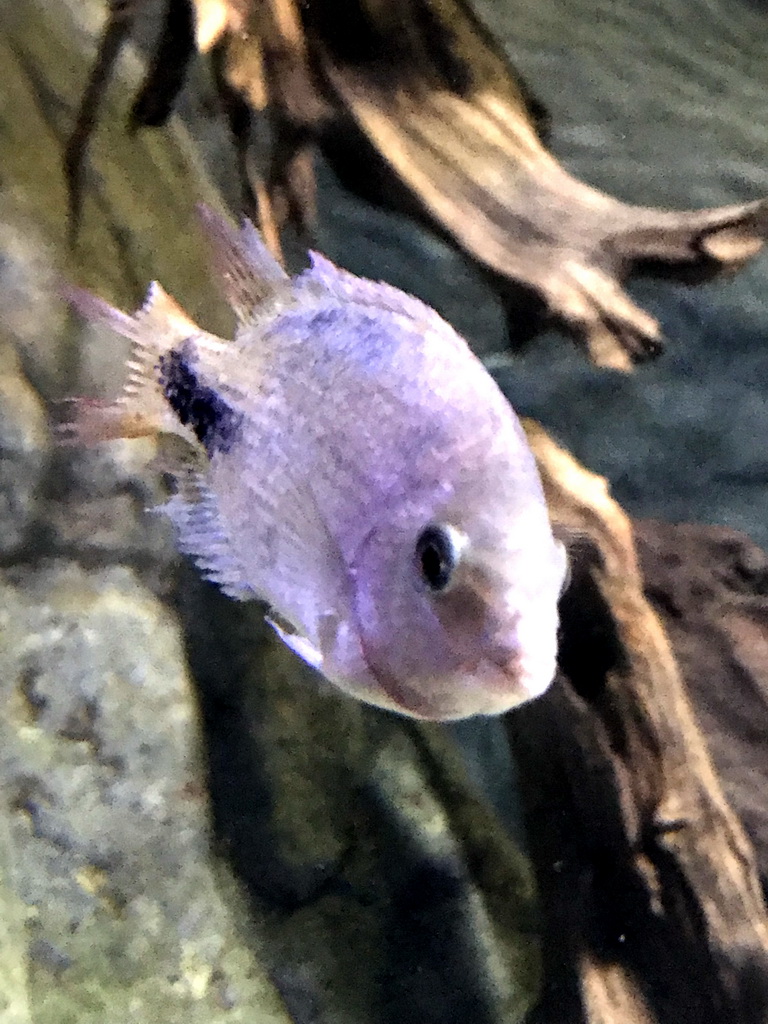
<point x="455" y="599"/>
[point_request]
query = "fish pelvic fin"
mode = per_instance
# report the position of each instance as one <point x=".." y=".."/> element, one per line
<point x="159" y="326"/>
<point x="299" y="644"/>
<point x="249" y="274"/>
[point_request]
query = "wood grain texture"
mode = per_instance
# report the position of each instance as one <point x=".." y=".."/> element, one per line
<point x="651" y="896"/>
<point x="417" y="108"/>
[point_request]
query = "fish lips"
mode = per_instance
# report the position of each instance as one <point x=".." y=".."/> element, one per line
<point x="489" y="674"/>
<point x="485" y="688"/>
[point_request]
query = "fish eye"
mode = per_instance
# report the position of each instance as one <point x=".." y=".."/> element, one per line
<point x="438" y="550"/>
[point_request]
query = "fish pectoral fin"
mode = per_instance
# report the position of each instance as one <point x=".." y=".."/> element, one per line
<point x="299" y="645"/>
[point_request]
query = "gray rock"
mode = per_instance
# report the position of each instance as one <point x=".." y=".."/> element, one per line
<point x="14" y="991"/>
<point x="127" y="916"/>
<point x="24" y="450"/>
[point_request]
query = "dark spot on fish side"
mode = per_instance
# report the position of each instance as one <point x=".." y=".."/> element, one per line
<point x="214" y="422"/>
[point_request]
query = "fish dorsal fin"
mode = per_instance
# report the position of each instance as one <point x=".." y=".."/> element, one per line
<point x="195" y="513"/>
<point x="347" y="287"/>
<point x="249" y="273"/>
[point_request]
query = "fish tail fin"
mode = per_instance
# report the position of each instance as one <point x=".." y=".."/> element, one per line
<point x="88" y="421"/>
<point x="140" y="410"/>
<point x="249" y="273"/>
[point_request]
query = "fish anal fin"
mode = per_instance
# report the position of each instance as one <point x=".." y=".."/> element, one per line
<point x="195" y="513"/>
<point x="249" y="273"/>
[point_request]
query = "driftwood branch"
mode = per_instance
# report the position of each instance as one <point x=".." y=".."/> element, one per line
<point x="417" y="108"/>
<point x="652" y="903"/>
<point x="479" y="172"/>
<point x="113" y="38"/>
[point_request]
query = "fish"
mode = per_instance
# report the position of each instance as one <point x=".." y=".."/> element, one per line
<point x="347" y="460"/>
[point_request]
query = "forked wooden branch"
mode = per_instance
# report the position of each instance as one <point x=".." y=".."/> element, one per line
<point x="477" y="167"/>
<point x="418" y="109"/>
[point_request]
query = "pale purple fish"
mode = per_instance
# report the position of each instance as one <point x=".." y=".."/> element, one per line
<point x="352" y="463"/>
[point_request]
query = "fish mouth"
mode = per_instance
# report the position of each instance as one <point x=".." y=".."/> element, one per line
<point x="491" y="686"/>
<point x="479" y="664"/>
